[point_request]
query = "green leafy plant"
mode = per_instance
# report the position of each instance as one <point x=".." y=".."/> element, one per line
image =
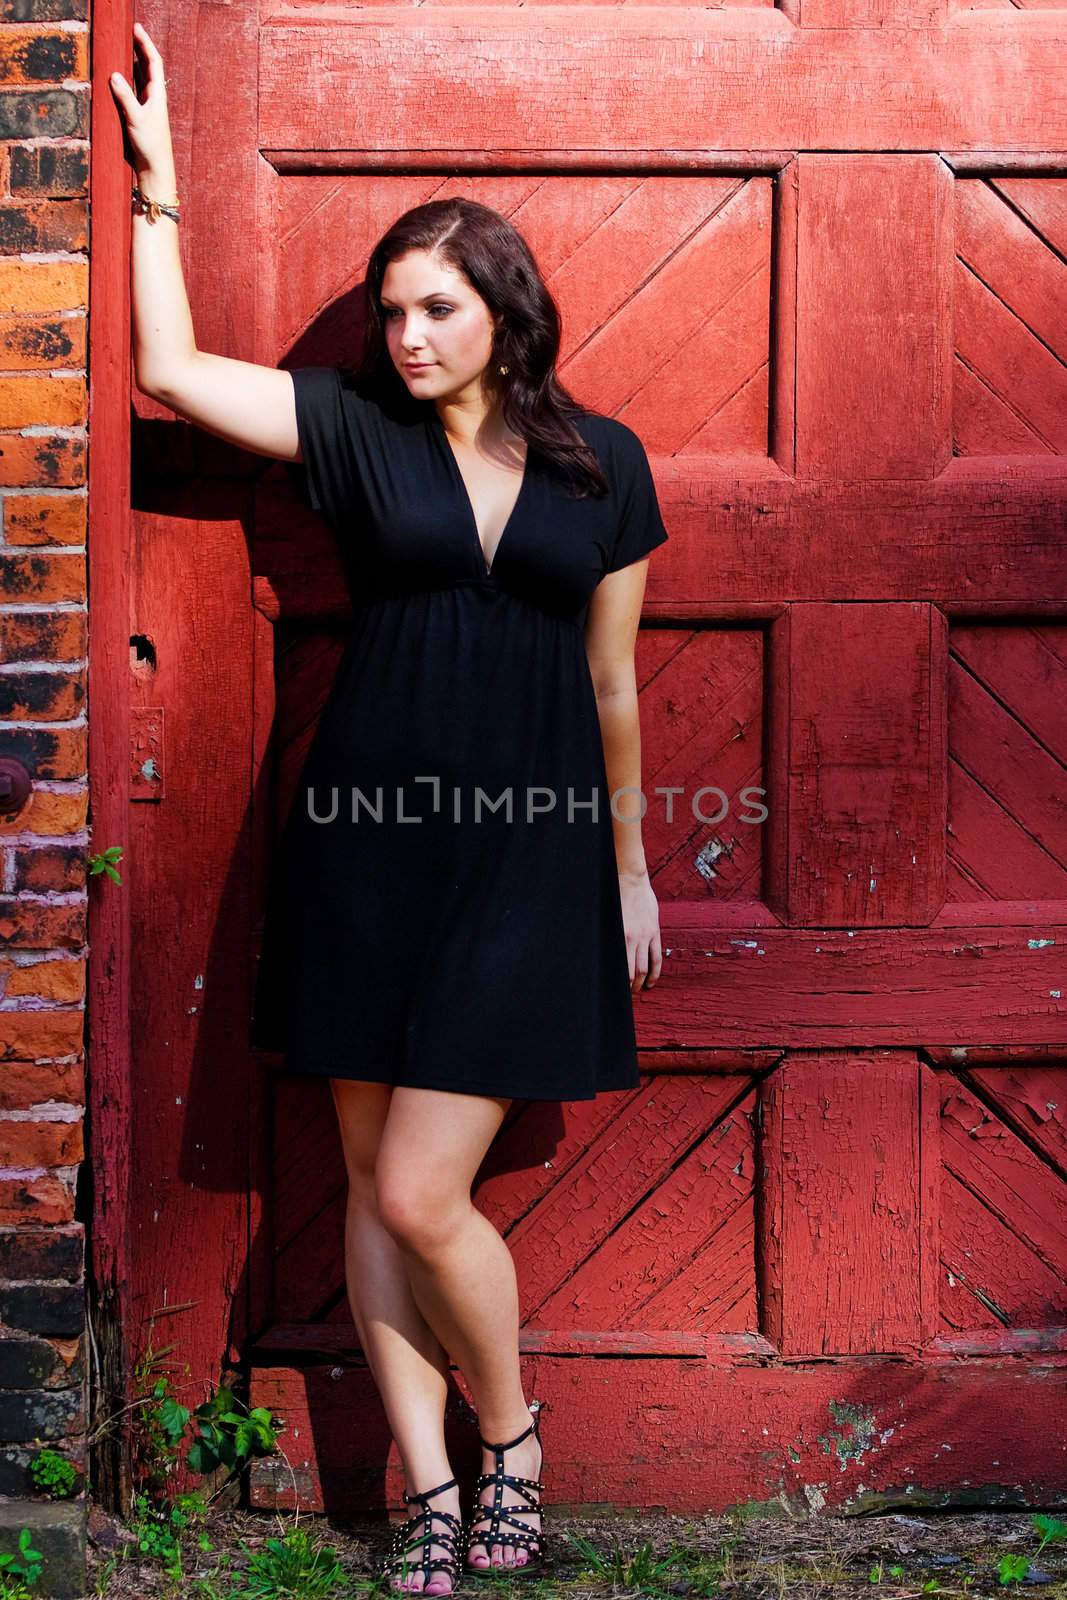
<point x="159" y="1529"/>
<point x="159" y="1418"/>
<point x="104" y="861"/>
<point x="1015" y="1569"/>
<point x="879" y="1570"/>
<point x="221" y="1431"/>
<point x="1012" y="1569"/>
<point x="1051" y="1530"/>
<point x="226" y="1436"/>
<point x="54" y="1474"/>
<point x="24" y="1569"/>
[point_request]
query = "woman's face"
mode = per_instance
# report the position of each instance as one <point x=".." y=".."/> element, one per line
<point x="432" y="315"/>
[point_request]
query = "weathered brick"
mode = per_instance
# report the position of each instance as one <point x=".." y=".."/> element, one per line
<point x="44" y="577"/>
<point x="16" y="1460"/>
<point x="50" y="866"/>
<point x="44" y="114"/>
<point x="30" y="925"/>
<point x="43" y="1253"/>
<point x="42" y="696"/>
<point x="47" y="752"/>
<point x="41" y="519"/>
<point x="40" y="1144"/>
<point x="29" y="1414"/>
<point x="41" y="400"/>
<point x="31" y="1035"/>
<point x="48" y="813"/>
<point x="44" y="10"/>
<point x="43" y="636"/>
<point x="44" y="224"/>
<point x="28" y="1363"/>
<point x="62" y="982"/>
<point x="30" y="56"/>
<point x="42" y="1198"/>
<point x="42" y="1308"/>
<point x="33" y="344"/>
<point x="55" y="460"/>
<point x="59" y="1533"/>
<point x="54" y="169"/>
<point x="27" y="286"/>
<point x="28" y="1083"/>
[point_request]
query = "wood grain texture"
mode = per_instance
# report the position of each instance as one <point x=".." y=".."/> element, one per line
<point x="660" y="80"/>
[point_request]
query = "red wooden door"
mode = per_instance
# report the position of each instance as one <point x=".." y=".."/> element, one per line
<point x="815" y="257"/>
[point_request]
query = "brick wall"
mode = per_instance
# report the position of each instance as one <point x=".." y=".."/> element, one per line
<point x="44" y="277"/>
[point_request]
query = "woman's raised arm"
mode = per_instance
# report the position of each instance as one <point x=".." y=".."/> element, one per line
<point x="240" y="401"/>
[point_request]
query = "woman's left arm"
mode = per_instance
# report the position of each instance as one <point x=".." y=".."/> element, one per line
<point x="610" y="635"/>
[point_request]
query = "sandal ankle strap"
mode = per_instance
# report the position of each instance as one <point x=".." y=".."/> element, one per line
<point x="428" y="1494"/>
<point x="535" y="1410"/>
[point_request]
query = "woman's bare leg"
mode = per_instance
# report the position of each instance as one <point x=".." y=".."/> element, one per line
<point x="461" y="1271"/>
<point x="407" y="1361"/>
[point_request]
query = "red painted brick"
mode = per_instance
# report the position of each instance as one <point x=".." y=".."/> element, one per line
<point x="43" y="1198"/>
<point x="31" y="1035"/>
<point x="28" y="1083"/>
<point x="40" y="1144"/>
<point x="44" y="636"/>
<point x="60" y="981"/>
<point x="49" y="813"/>
<point x="50" y="867"/>
<point x="42" y="696"/>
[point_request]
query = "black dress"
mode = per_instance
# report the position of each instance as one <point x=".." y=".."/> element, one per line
<point x="417" y="934"/>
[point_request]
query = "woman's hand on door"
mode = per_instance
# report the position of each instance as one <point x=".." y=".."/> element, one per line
<point x="147" y="121"/>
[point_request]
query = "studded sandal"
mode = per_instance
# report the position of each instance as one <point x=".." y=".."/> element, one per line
<point x="526" y="1538"/>
<point x="410" y="1535"/>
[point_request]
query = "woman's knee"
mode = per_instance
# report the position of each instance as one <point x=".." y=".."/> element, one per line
<point x="419" y="1213"/>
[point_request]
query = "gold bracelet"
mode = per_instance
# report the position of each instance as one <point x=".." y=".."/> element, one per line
<point x="154" y="209"/>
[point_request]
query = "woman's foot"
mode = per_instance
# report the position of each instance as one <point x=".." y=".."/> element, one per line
<point x="439" y="1579"/>
<point x="520" y="1461"/>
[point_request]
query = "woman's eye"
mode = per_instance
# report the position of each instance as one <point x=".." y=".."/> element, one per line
<point x="390" y="311"/>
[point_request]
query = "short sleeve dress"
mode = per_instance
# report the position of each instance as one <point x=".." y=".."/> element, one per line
<point x="443" y="909"/>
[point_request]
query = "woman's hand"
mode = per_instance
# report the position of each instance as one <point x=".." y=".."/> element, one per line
<point x="640" y="919"/>
<point x="147" y="121"/>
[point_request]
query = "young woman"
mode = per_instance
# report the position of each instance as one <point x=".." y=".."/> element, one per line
<point x="496" y="537"/>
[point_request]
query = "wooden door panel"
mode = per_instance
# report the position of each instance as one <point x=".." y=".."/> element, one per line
<point x="872" y="316"/>
<point x="669" y="82"/>
<point x="648" y="1254"/>
<point x="1004" y="1208"/>
<point x="1007" y="747"/>
<point x="848" y="1211"/>
<point x="701" y="693"/>
<point x="866" y="766"/>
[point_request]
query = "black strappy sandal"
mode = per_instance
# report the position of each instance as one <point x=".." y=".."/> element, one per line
<point x="409" y="1536"/>
<point x="526" y="1538"/>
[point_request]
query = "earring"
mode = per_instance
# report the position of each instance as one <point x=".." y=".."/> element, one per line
<point x="504" y="368"/>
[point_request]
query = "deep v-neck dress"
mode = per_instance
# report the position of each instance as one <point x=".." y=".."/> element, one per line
<point x="444" y="908"/>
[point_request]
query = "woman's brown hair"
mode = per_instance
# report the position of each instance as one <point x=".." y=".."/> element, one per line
<point x="495" y="258"/>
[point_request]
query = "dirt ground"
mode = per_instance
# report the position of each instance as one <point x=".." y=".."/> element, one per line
<point x="737" y="1556"/>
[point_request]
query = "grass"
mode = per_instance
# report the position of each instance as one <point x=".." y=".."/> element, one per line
<point x="243" y="1555"/>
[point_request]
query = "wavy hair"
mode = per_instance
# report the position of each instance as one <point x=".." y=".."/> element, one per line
<point x="495" y="258"/>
